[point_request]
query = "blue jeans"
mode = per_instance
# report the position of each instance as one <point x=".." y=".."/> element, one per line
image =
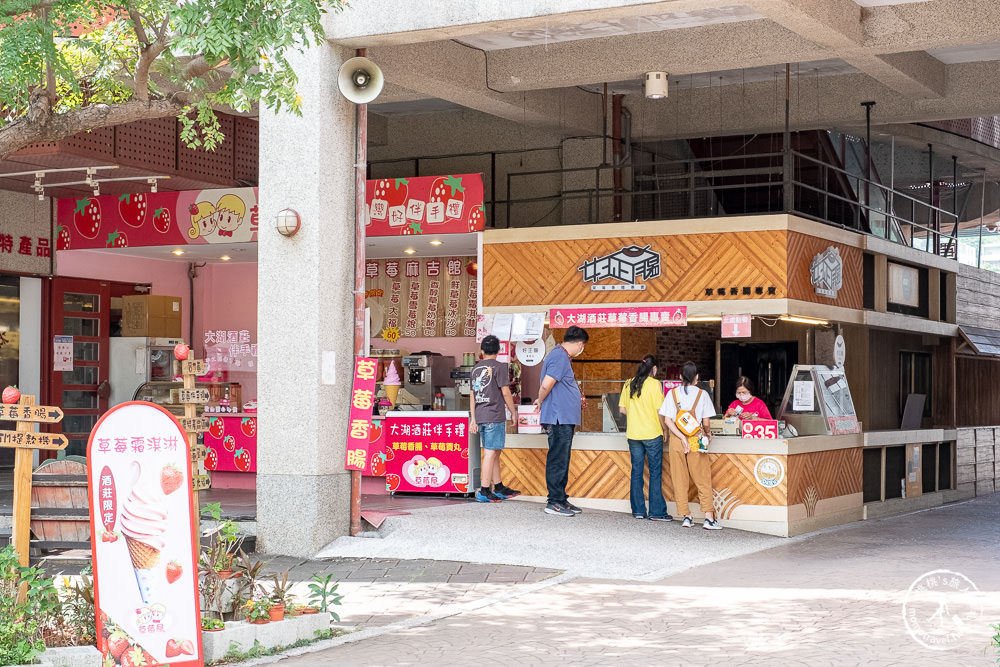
<point x="493" y="436"/>
<point x="651" y="451"/>
<point x="557" y="460"/>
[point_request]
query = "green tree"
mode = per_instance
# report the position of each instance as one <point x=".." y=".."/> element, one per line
<point x="72" y="65"/>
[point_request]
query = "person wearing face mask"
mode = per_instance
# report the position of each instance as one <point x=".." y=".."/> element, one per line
<point x="561" y="412"/>
<point x="747" y="406"/>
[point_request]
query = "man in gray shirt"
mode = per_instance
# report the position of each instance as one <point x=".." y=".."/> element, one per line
<point x="491" y="404"/>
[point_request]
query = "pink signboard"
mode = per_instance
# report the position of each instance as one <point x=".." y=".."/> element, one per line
<point x="425" y="205"/>
<point x="376" y="449"/>
<point x="427" y="454"/>
<point x="142" y="538"/>
<point x="619" y="316"/>
<point x="844" y="425"/>
<point x="359" y="427"/>
<point x="736" y="326"/>
<point x="157" y="219"/>
<point x="231" y="443"/>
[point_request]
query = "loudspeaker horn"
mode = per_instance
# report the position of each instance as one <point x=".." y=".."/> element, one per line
<point x="360" y="80"/>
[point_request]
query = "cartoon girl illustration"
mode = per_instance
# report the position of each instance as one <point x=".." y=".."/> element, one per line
<point x="230" y="210"/>
<point x="203" y="219"/>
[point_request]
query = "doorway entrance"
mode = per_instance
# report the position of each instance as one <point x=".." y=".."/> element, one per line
<point x="767" y="365"/>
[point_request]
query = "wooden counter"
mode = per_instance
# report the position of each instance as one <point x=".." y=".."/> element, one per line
<point x="779" y="487"/>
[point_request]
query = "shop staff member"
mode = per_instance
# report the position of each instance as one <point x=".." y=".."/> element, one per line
<point x="491" y="404"/>
<point x="746" y="405"/>
<point x="686" y="462"/>
<point x="561" y="403"/>
<point x="640" y="399"/>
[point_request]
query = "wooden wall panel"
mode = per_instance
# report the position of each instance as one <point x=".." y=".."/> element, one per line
<point x="829" y="474"/>
<point x="801" y="251"/>
<point x="689" y="264"/>
<point x="976" y="401"/>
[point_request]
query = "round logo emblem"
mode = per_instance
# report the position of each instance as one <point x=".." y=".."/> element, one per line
<point x="940" y="607"/>
<point x="530" y="354"/>
<point x="769" y="471"/>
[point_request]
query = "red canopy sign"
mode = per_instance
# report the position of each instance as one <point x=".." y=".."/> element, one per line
<point x="425" y="205"/>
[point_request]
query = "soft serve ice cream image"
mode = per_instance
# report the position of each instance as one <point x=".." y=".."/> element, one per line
<point x="143" y="523"/>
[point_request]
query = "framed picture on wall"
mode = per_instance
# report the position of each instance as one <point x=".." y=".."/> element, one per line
<point x="904" y="285"/>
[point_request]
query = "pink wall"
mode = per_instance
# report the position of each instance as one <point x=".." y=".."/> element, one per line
<point x="449" y="347"/>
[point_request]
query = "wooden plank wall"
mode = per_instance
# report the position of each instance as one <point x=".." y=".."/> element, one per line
<point x="883" y="360"/>
<point x="976" y="397"/>
<point x="801" y="251"/>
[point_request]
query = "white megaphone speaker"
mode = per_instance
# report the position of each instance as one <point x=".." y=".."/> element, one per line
<point x="360" y="80"/>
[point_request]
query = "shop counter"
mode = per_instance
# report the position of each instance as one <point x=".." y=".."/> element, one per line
<point x="780" y="487"/>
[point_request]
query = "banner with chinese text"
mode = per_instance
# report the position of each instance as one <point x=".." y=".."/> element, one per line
<point x="619" y="316"/>
<point x="230" y="350"/>
<point x="425" y="205"/>
<point x="362" y="400"/>
<point x="428" y="297"/>
<point x="26" y="235"/>
<point x="427" y="454"/>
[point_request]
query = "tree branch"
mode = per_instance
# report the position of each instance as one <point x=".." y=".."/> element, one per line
<point x="148" y="53"/>
<point x="140" y="31"/>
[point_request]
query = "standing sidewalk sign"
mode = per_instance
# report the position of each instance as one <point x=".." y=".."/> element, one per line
<point x="142" y="518"/>
<point x="362" y="400"/>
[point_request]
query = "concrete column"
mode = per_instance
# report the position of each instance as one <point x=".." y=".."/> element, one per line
<point x="305" y="307"/>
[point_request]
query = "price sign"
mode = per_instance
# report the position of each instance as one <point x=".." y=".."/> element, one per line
<point x="762" y="429"/>
<point x="194" y="367"/>
<point x="198" y="395"/>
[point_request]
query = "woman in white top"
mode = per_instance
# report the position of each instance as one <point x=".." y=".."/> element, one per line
<point x="687" y="460"/>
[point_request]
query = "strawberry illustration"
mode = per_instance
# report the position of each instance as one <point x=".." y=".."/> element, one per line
<point x="242" y="460"/>
<point x="87" y="217"/>
<point x="393" y="191"/>
<point x="109" y="536"/>
<point x="173" y="571"/>
<point x="11" y="395"/>
<point x="171" y="479"/>
<point x="412" y="228"/>
<point x="465" y="453"/>
<point x="391" y="482"/>
<point x="187" y="647"/>
<point x="161" y="220"/>
<point x="62" y="240"/>
<point x="389" y="454"/>
<point x="211" y="459"/>
<point x="132" y="208"/>
<point x="449" y="189"/>
<point x="134" y="658"/>
<point x="374" y="433"/>
<point x="117" y="239"/>
<point x="117" y="644"/>
<point x="229" y="443"/>
<point x="461" y="486"/>
<point x="378" y="465"/>
<point x="249" y="426"/>
<point x="216" y="428"/>
<point x="173" y="648"/>
<point x="477" y="219"/>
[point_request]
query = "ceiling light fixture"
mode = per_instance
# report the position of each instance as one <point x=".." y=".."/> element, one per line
<point x="803" y="320"/>
<point x="436" y="242"/>
<point x="409" y="251"/>
<point x="225" y="258"/>
<point x="177" y="251"/>
<point x="657" y="85"/>
<point x="705" y="318"/>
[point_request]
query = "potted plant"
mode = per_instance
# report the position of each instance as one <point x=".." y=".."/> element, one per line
<point x="293" y="609"/>
<point x="212" y="624"/>
<point x="324" y="594"/>
<point x="257" y="607"/>
<point x="215" y="564"/>
<point x="279" y="597"/>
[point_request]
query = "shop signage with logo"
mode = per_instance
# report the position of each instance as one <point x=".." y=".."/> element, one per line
<point x="451" y="204"/>
<point x="626" y="266"/>
<point x="826" y="272"/>
<point x="769" y="471"/>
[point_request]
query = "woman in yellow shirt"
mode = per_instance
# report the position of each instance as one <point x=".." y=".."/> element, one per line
<point x="640" y="402"/>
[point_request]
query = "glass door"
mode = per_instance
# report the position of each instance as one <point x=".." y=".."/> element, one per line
<point x="80" y="308"/>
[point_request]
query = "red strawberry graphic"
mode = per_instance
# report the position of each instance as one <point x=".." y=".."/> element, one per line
<point x="461" y="486"/>
<point x="249" y="426"/>
<point x="216" y="428"/>
<point x="173" y="648"/>
<point x="62" y="240"/>
<point x="161" y="220"/>
<point x="465" y="453"/>
<point x="448" y="188"/>
<point x="211" y="459"/>
<point x="132" y="208"/>
<point x="389" y="454"/>
<point x="109" y="536"/>
<point x="391" y="482"/>
<point x="378" y="465"/>
<point x="374" y="433"/>
<point x="393" y="191"/>
<point x="117" y="239"/>
<point x="171" y="479"/>
<point x="229" y="444"/>
<point x="11" y="395"/>
<point x="117" y="644"/>
<point x="477" y="219"/>
<point x="242" y="460"/>
<point x="173" y="571"/>
<point x="187" y="647"/>
<point x="87" y="217"/>
<point x="134" y="658"/>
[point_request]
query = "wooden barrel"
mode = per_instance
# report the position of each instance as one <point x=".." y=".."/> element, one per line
<point x="60" y="515"/>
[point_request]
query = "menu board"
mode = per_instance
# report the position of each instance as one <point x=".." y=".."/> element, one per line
<point x="422" y="298"/>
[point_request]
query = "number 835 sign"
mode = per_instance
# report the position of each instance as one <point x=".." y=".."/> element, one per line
<point x="764" y="429"/>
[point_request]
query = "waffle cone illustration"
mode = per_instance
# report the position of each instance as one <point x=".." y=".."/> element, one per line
<point x="391" y="392"/>
<point x="144" y="522"/>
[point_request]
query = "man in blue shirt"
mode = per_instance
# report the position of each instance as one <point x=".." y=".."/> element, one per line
<point x="560" y="400"/>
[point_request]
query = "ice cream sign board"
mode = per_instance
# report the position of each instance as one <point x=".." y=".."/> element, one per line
<point x="142" y="537"/>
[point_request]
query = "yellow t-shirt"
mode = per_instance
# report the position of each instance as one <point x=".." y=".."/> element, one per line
<point x="641" y="412"/>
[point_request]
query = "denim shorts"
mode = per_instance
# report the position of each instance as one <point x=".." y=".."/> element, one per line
<point x="492" y="436"/>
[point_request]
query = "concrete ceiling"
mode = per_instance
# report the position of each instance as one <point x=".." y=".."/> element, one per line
<point x="539" y="62"/>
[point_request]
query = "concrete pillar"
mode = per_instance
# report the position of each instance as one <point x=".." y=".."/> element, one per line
<point x="305" y="307"/>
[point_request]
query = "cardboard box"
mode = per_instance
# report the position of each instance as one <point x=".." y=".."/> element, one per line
<point x="151" y="315"/>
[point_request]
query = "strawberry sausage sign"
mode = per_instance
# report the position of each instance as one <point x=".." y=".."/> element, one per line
<point x="143" y="544"/>
<point x="425" y="205"/>
<point x="145" y="219"/>
<point x="362" y="400"/>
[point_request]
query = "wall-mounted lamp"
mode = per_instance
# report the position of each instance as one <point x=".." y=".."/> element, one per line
<point x="287" y="222"/>
<point x="656" y="85"/>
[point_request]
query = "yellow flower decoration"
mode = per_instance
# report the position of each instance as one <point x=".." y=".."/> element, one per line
<point x="390" y="335"/>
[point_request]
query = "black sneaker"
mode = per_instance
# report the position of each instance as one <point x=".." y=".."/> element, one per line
<point x="572" y="508"/>
<point x="661" y="518"/>
<point x="558" y="510"/>
<point x="506" y="491"/>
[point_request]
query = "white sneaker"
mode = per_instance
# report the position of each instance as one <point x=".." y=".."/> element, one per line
<point x="711" y="524"/>
<point x="687" y="523"/>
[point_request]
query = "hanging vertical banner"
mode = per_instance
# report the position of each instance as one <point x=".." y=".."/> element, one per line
<point x="142" y="538"/>
<point x="362" y="400"/>
<point x="425" y="205"/>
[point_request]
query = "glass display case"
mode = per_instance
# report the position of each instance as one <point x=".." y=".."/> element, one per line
<point x="165" y="394"/>
<point x="818" y="402"/>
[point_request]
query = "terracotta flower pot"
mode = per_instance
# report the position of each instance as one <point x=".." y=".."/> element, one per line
<point x="212" y="629"/>
<point x="310" y="610"/>
<point x="225" y="574"/>
<point x="277" y="612"/>
<point x="261" y="621"/>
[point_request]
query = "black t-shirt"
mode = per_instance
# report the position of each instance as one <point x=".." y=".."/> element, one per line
<point x="488" y="377"/>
